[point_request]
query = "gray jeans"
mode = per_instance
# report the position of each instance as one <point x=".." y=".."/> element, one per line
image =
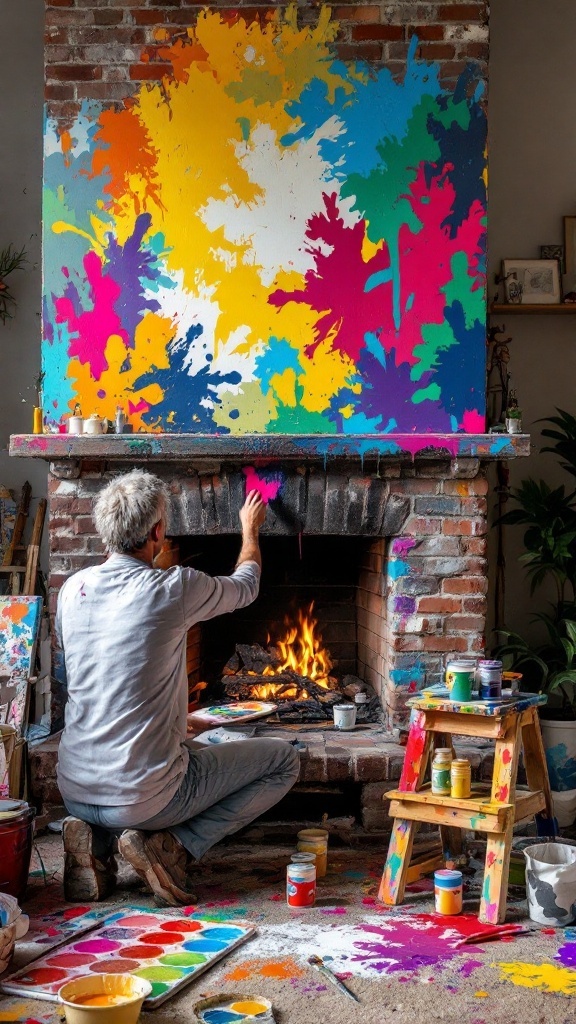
<point x="225" y="787"/>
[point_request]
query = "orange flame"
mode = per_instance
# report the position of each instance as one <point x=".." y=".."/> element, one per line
<point x="300" y="651"/>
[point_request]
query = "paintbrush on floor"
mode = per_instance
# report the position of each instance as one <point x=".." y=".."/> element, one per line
<point x="318" y="963"/>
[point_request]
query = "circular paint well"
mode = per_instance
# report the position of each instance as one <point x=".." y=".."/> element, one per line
<point x="139" y="921"/>
<point x="160" y="938"/>
<point x="217" y="1016"/>
<point x="183" y="959"/>
<point x="158" y="989"/>
<point x="160" y="973"/>
<point x="142" y="952"/>
<point x="43" y="976"/>
<point x="249" y="1008"/>
<point x="70" y="960"/>
<point x="181" y="926"/>
<point x="96" y="946"/>
<point x="229" y="934"/>
<point x="205" y="945"/>
<point x="118" y="966"/>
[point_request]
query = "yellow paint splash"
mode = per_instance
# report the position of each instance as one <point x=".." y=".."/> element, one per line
<point x="546" y="977"/>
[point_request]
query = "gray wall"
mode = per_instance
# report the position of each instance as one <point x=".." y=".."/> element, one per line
<point x="532" y="186"/>
<point x="21" y="101"/>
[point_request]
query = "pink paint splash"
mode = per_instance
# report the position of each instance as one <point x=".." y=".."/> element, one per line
<point x="140" y="406"/>
<point x="91" y="329"/>
<point x="473" y="422"/>
<point x="268" y="489"/>
<point x="421" y="940"/>
<point x="402" y="545"/>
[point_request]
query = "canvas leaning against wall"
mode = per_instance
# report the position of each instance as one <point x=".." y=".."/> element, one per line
<point x="270" y="241"/>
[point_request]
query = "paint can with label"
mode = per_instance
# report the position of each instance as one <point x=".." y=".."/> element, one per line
<point x="460" y="778"/>
<point x="460" y="679"/>
<point x="490" y="679"/>
<point x="301" y="880"/>
<point x="315" y="841"/>
<point x="448" y="892"/>
<point x="441" y="771"/>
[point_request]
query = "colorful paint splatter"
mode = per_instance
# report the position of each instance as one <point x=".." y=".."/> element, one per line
<point x="19" y="623"/>
<point x="270" y="241"/>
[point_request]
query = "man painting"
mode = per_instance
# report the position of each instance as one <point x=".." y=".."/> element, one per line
<point x="125" y="765"/>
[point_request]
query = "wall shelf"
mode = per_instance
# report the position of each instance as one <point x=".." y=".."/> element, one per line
<point x="504" y="308"/>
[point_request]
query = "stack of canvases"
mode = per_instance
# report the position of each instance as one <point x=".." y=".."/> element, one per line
<point x="19" y="625"/>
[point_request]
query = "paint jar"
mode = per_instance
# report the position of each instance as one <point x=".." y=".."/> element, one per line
<point x="315" y="841"/>
<point x="361" y="697"/>
<point x="460" y="679"/>
<point x="441" y="771"/>
<point x="76" y="425"/>
<point x="460" y="778"/>
<point x="16" y="830"/>
<point x="344" y="716"/>
<point x="37" y="420"/>
<point x="301" y="883"/>
<point x="490" y="679"/>
<point x="448" y="892"/>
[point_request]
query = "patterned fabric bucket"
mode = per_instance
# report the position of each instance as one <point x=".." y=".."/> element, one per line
<point x="551" y="883"/>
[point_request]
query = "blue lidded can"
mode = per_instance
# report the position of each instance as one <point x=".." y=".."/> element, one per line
<point x="490" y="679"/>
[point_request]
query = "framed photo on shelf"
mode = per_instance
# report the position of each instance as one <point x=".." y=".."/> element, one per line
<point x="570" y="249"/>
<point x="532" y="282"/>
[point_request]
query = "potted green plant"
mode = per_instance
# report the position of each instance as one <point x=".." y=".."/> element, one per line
<point x="548" y="664"/>
<point x="513" y="415"/>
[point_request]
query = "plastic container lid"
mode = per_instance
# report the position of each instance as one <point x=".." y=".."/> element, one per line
<point x="303" y="858"/>
<point x="10" y="809"/>
<point x="448" y="879"/>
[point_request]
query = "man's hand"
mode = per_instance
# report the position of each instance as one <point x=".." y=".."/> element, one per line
<point x="252" y="513"/>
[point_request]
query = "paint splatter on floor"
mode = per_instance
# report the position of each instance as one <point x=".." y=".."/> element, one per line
<point x="546" y="977"/>
<point x="279" y="969"/>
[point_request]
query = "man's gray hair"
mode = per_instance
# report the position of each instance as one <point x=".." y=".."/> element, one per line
<point x="127" y="509"/>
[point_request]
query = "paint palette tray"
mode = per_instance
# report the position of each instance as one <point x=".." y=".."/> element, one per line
<point x="234" y="1008"/>
<point x="168" y="951"/>
<point x="229" y="714"/>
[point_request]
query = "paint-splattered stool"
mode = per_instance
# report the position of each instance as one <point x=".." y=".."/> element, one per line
<point x="492" y="808"/>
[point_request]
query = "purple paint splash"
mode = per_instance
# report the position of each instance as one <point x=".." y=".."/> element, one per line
<point x="404" y="605"/>
<point x="420" y="941"/>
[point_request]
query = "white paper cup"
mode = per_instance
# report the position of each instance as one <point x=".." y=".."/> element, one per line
<point x="344" y="716"/>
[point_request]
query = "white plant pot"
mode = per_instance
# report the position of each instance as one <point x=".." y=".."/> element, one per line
<point x="560" y="745"/>
<point x="513" y="426"/>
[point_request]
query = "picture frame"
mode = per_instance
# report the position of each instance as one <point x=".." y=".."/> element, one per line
<point x="532" y="282"/>
<point x="570" y="249"/>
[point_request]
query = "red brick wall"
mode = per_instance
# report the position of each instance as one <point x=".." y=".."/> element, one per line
<point x="102" y="49"/>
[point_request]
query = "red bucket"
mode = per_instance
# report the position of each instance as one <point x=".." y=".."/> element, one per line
<point x="15" y="852"/>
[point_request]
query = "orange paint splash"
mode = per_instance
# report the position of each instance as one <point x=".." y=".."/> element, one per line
<point x="279" y="969"/>
<point x="16" y="612"/>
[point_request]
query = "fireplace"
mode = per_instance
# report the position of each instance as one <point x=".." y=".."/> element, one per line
<point x="302" y="644"/>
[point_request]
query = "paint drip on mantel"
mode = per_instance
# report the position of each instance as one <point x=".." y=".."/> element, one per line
<point x="329" y="274"/>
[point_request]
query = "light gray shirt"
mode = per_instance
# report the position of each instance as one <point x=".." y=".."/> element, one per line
<point x="122" y="627"/>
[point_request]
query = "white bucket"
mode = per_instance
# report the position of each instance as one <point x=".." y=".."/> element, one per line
<point x="564" y="807"/>
<point x="560" y="745"/>
<point x="551" y="883"/>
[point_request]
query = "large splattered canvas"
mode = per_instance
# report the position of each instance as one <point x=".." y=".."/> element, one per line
<point x="270" y="240"/>
<point x="167" y="951"/>
<point x="19" y="624"/>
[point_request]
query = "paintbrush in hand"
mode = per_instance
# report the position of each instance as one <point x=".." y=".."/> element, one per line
<point x="318" y="963"/>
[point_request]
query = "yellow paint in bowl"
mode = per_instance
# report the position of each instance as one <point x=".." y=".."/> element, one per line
<point x="250" y="1008"/>
<point x="104" y="999"/>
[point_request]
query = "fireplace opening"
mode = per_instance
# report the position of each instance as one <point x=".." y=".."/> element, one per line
<point x="314" y="637"/>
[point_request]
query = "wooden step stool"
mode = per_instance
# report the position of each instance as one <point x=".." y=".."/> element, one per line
<point x="493" y="809"/>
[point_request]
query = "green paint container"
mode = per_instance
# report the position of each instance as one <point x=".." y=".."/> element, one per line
<point x="460" y="680"/>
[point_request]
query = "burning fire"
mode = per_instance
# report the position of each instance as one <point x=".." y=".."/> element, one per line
<point x="301" y="651"/>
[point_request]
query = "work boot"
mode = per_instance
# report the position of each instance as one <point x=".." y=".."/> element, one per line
<point x="160" y="861"/>
<point x="86" y="879"/>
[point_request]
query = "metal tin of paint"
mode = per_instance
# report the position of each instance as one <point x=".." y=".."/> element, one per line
<point x="448" y="892"/>
<point x="344" y="716"/>
<point x="301" y="884"/>
<point x="490" y="679"/>
<point x="441" y="771"/>
<point x="460" y="778"/>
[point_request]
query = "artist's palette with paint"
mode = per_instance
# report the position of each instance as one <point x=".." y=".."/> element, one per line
<point x="228" y="714"/>
<point x="235" y="1009"/>
<point x="168" y="951"/>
